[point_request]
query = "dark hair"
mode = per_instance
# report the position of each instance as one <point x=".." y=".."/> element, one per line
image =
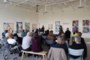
<point x="51" y="31"/>
<point x="6" y="31"/>
<point x="35" y="35"/>
<point x="80" y="33"/>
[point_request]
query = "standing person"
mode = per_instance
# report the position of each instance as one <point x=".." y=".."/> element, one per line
<point x="27" y="42"/>
<point x="43" y="28"/>
<point x="67" y="34"/>
<point x="60" y="30"/>
<point x="36" y="43"/>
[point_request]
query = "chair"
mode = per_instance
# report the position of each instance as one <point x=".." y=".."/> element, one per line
<point x="76" y="52"/>
<point x="56" y="54"/>
<point x="8" y="51"/>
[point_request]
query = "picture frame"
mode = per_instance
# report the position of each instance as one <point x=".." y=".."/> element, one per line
<point x="8" y="25"/>
<point x="19" y="26"/>
<point x="57" y="25"/>
<point x="27" y="26"/>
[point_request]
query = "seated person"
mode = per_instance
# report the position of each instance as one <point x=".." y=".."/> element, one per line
<point x="10" y="39"/>
<point x="27" y="42"/>
<point x="84" y="45"/>
<point x="19" y="38"/>
<point x="60" y="43"/>
<point x="12" y="44"/>
<point x="50" y="38"/>
<point x="36" y="43"/>
<point x="23" y="33"/>
<point x="76" y="44"/>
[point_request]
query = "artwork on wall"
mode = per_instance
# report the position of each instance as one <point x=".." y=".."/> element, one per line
<point x="19" y="26"/>
<point x="86" y="25"/>
<point x="57" y="25"/>
<point x="7" y="26"/>
<point x="27" y="26"/>
<point x="34" y="26"/>
<point x="50" y="26"/>
<point x="75" y="26"/>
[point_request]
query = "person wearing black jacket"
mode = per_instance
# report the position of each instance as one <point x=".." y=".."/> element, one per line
<point x="78" y="43"/>
<point x="67" y="35"/>
<point x="84" y="45"/>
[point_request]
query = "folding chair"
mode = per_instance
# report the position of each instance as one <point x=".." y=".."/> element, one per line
<point x="76" y="52"/>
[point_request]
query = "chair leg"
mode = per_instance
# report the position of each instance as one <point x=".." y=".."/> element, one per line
<point x="22" y="58"/>
<point x="26" y="55"/>
<point x="44" y="57"/>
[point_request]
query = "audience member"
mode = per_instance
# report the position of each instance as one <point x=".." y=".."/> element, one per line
<point x="23" y="33"/>
<point x="36" y="43"/>
<point x="50" y="38"/>
<point x="10" y="31"/>
<point x="37" y="31"/>
<point x="76" y="44"/>
<point x="84" y="45"/>
<point x="46" y="32"/>
<point x="27" y="42"/>
<point x="18" y="38"/>
<point x="67" y="35"/>
<point x="58" y="50"/>
<point x="60" y="30"/>
<point x="42" y="29"/>
<point x="60" y="43"/>
<point x="11" y="40"/>
<point x="3" y="34"/>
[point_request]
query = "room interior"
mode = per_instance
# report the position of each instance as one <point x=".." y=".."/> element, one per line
<point x="46" y="12"/>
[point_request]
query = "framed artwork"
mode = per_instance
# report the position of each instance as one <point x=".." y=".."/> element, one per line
<point x="19" y="26"/>
<point x="50" y="26"/>
<point x="86" y="25"/>
<point x="27" y="26"/>
<point x="75" y="26"/>
<point x="57" y="25"/>
<point x="34" y="26"/>
<point x="7" y="26"/>
<point x="75" y="23"/>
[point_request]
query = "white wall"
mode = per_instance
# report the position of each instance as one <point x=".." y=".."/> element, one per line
<point x="65" y="16"/>
<point x="16" y="14"/>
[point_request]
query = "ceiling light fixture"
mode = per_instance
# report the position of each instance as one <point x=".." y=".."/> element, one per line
<point x="80" y="4"/>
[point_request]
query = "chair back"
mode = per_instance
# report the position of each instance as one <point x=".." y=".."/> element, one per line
<point x="56" y="54"/>
<point x="76" y="52"/>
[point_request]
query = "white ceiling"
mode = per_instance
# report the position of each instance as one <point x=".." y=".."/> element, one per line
<point x="41" y="3"/>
